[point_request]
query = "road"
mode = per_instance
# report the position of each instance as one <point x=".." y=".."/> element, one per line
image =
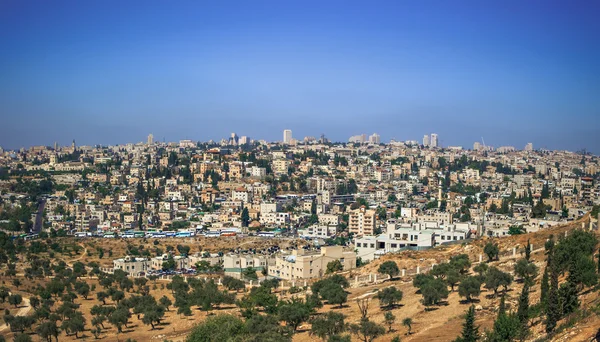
<point x="39" y="217"/>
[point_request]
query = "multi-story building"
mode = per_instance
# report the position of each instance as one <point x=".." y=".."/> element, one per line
<point x="287" y="136"/>
<point x="132" y="265"/>
<point x="362" y="221"/>
<point x="304" y="264"/>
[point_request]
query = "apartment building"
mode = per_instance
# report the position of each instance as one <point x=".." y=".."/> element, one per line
<point x="234" y="264"/>
<point x="362" y="221"/>
<point x="318" y="231"/>
<point x="131" y="265"/>
<point x="303" y="264"/>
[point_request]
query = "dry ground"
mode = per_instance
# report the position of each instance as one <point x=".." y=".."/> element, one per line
<point x="442" y="324"/>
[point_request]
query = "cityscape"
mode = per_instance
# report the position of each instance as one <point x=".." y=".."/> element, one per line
<point x="299" y="171"/>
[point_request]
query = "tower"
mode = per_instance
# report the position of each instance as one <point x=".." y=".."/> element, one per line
<point x="73" y="146"/>
<point x="150" y="139"/>
<point x="434" y="140"/>
<point x="287" y="136"/>
<point x="425" y="140"/>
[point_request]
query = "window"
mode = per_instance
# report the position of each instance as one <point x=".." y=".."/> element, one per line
<point x="394" y="245"/>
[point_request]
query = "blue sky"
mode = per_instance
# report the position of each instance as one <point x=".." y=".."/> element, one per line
<point x="106" y="72"/>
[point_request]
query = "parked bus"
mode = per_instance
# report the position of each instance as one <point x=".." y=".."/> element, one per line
<point x="212" y="234"/>
<point x="109" y="235"/>
<point x="82" y="234"/>
<point x="170" y="234"/>
<point x="138" y="234"/>
<point x="266" y="234"/>
<point x="183" y="234"/>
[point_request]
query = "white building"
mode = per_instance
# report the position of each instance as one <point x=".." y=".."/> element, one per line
<point x="434" y="140"/>
<point x="287" y="136"/>
<point x="318" y="231"/>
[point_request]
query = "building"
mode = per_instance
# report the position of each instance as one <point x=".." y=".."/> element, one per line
<point x="476" y="146"/>
<point x="287" y="136"/>
<point x="434" y="140"/>
<point x="528" y="147"/>
<point x="304" y="264"/>
<point x="361" y="139"/>
<point x="426" y="140"/>
<point x="244" y="140"/>
<point x="375" y="139"/>
<point x="413" y="236"/>
<point x="131" y="265"/>
<point x="318" y="231"/>
<point x="235" y="264"/>
<point x="150" y="139"/>
<point x="362" y="221"/>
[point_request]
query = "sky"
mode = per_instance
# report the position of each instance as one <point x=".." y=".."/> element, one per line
<point x="109" y="72"/>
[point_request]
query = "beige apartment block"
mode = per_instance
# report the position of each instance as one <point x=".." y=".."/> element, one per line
<point x="302" y="264"/>
<point x="362" y="221"/>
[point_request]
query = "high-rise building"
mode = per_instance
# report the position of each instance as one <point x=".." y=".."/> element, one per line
<point x="434" y="140"/>
<point x="476" y="146"/>
<point x="287" y="136"/>
<point x="529" y="147"/>
<point x="374" y="139"/>
<point x="361" y="139"/>
<point x="244" y="140"/>
<point x="425" y="140"/>
<point x="150" y="139"/>
<point x="234" y="139"/>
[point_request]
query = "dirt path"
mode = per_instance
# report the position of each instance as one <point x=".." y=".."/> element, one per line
<point x="23" y="310"/>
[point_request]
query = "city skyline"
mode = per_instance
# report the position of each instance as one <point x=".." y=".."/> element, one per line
<point x="511" y="72"/>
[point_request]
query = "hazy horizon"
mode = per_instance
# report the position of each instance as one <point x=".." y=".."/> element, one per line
<point x="108" y="73"/>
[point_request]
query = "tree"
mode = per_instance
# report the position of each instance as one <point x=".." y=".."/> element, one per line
<point x="216" y="329"/>
<point x="544" y="288"/>
<point x="245" y="217"/>
<point x="470" y="332"/>
<point x="433" y="291"/>
<point x="334" y="266"/>
<point x="526" y="270"/>
<point x="523" y="313"/>
<point x="528" y="251"/>
<point x="327" y="325"/>
<point x="539" y="210"/>
<point x="15" y="300"/>
<point x="47" y="330"/>
<point x="568" y="298"/>
<point x="506" y="326"/>
<point x="469" y="287"/>
<point x="407" y="322"/>
<point x="334" y="294"/>
<point x="366" y="330"/>
<point x="293" y="313"/>
<point x="250" y="273"/>
<point x="118" y="318"/>
<point x="491" y="250"/>
<point x="74" y="325"/>
<point x="389" y="319"/>
<point x="165" y="302"/>
<point x="553" y="301"/>
<point x="102" y="296"/>
<point x="390" y="268"/>
<point x="22" y="338"/>
<point x="153" y="313"/>
<point x="452" y="278"/>
<point x="389" y="296"/>
<point x="495" y="278"/>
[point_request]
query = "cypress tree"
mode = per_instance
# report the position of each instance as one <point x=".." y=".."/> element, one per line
<point x="528" y="250"/>
<point x="544" y="288"/>
<point x="523" y="312"/>
<point x="553" y="304"/>
<point x="470" y="332"/>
